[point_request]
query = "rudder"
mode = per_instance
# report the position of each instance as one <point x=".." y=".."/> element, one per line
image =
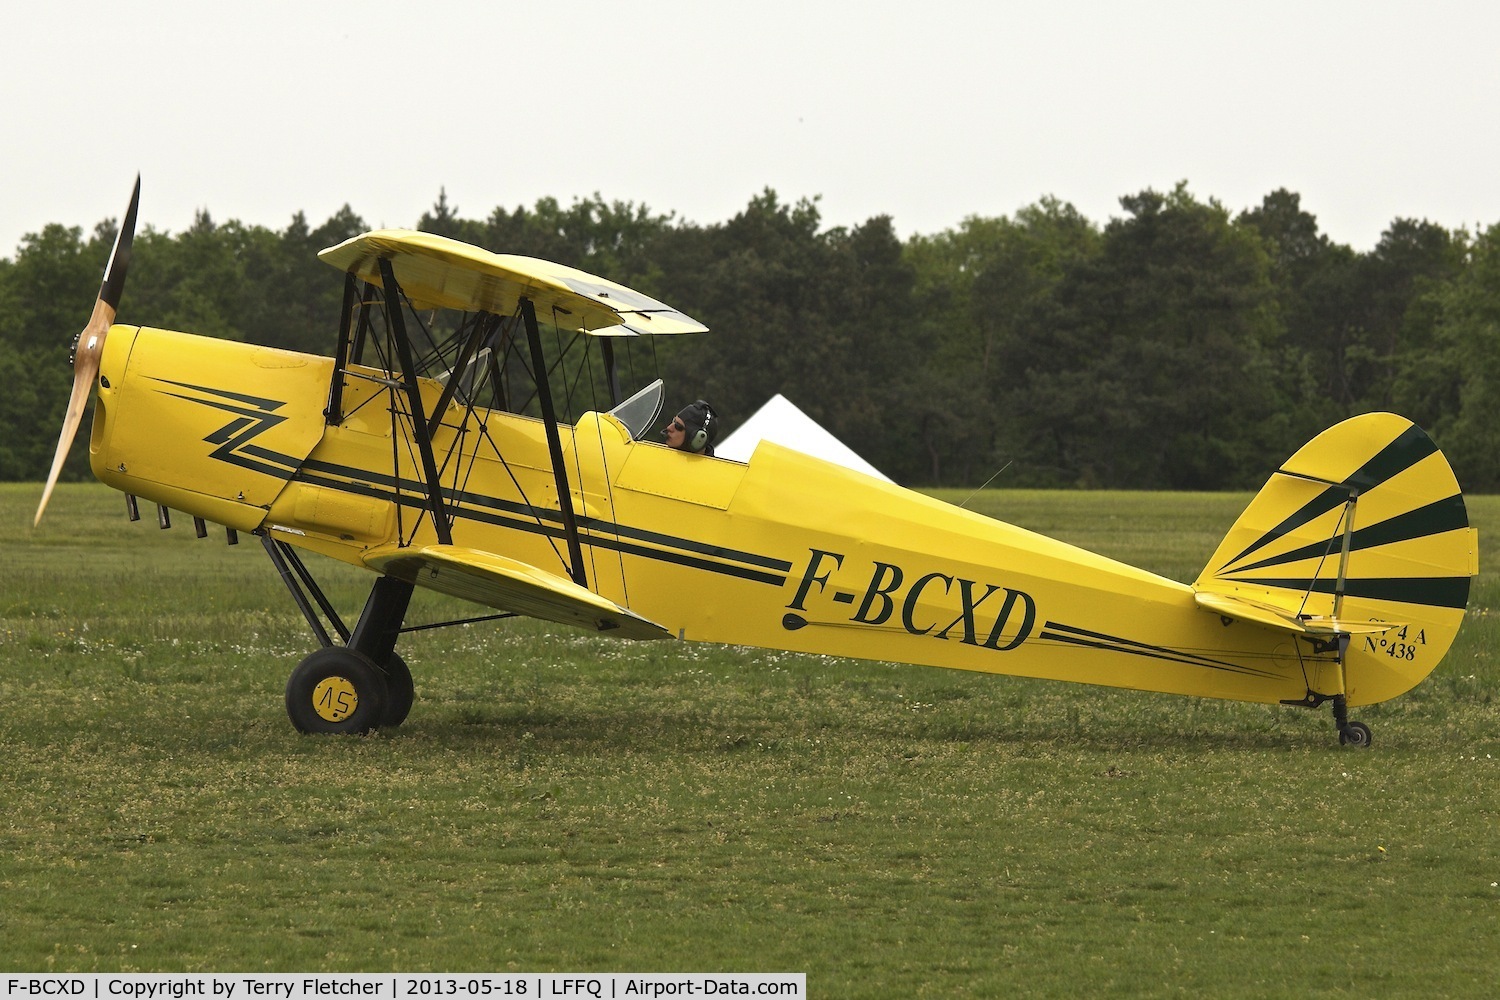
<point x="1364" y="524"/>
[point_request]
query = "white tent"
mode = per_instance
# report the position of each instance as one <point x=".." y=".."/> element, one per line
<point x="779" y="420"/>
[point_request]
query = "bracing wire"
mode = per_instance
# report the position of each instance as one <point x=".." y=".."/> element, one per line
<point x="609" y="493"/>
<point x="484" y="437"/>
<point x="986" y="485"/>
<point x="1339" y="529"/>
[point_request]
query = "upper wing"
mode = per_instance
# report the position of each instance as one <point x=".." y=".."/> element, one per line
<point x="509" y="585"/>
<point x="438" y="273"/>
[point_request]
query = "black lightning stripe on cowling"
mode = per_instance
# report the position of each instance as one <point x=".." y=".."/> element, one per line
<point x="1072" y="635"/>
<point x="259" y="402"/>
<point x="1407" y="449"/>
<point x="253" y="417"/>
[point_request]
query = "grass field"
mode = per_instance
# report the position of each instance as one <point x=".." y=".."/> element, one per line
<point x="563" y="802"/>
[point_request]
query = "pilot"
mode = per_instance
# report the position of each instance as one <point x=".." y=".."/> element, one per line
<point x="693" y="429"/>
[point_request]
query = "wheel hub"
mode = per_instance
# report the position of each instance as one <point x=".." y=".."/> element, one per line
<point x="334" y="698"/>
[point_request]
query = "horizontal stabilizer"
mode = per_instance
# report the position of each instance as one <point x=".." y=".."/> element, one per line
<point x="1283" y="621"/>
<point x="509" y="585"/>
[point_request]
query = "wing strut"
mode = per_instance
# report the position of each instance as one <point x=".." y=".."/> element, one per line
<point x="334" y="413"/>
<point x="435" y="501"/>
<point x="607" y="348"/>
<point x="554" y="442"/>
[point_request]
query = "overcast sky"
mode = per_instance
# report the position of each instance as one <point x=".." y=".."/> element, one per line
<point x="927" y="110"/>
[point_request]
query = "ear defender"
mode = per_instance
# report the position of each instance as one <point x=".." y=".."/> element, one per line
<point x="707" y="431"/>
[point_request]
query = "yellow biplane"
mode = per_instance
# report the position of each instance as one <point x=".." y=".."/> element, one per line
<point x="406" y="453"/>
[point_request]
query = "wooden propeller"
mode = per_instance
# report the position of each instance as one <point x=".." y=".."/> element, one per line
<point x="88" y="346"/>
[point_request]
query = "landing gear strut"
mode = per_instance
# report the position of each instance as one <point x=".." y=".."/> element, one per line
<point x="361" y="685"/>
<point x="1351" y="734"/>
<point x="375" y="636"/>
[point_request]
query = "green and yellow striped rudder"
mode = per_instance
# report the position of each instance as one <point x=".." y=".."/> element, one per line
<point x="1365" y="525"/>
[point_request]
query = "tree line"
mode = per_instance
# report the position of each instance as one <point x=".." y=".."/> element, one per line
<point x="1176" y="346"/>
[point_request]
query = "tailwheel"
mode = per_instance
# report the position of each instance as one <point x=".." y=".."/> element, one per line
<point x="1354" y="734"/>
<point x="1351" y="734"/>
<point x="337" y="690"/>
<point x="401" y="691"/>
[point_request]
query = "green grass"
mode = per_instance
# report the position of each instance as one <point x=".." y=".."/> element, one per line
<point x="564" y="802"/>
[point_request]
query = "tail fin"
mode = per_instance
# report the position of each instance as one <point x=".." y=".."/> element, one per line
<point x="1361" y="534"/>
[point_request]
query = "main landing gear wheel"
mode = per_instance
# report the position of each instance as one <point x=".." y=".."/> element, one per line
<point x="338" y="690"/>
<point x="401" y="691"/>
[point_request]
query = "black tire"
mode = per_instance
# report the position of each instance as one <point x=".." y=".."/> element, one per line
<point x="336" y="690"/>
<point x="401" y="691"/>
<point x="1355" y="734"/>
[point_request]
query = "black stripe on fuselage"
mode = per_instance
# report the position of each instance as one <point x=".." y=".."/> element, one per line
<point x="1073" y="635"/>
<point x="542" y="521"/>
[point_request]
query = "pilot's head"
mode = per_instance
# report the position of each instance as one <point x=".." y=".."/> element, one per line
<point x="693" y="429"/>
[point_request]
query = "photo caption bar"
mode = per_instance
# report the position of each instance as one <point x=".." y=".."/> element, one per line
<point x="400" y="986"/>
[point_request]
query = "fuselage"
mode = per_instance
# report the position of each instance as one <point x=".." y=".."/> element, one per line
<point x="785" y="551"/>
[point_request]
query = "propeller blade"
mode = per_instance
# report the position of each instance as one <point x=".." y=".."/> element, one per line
<point x="89" y="345"/>
<point x="119" y="258"/>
